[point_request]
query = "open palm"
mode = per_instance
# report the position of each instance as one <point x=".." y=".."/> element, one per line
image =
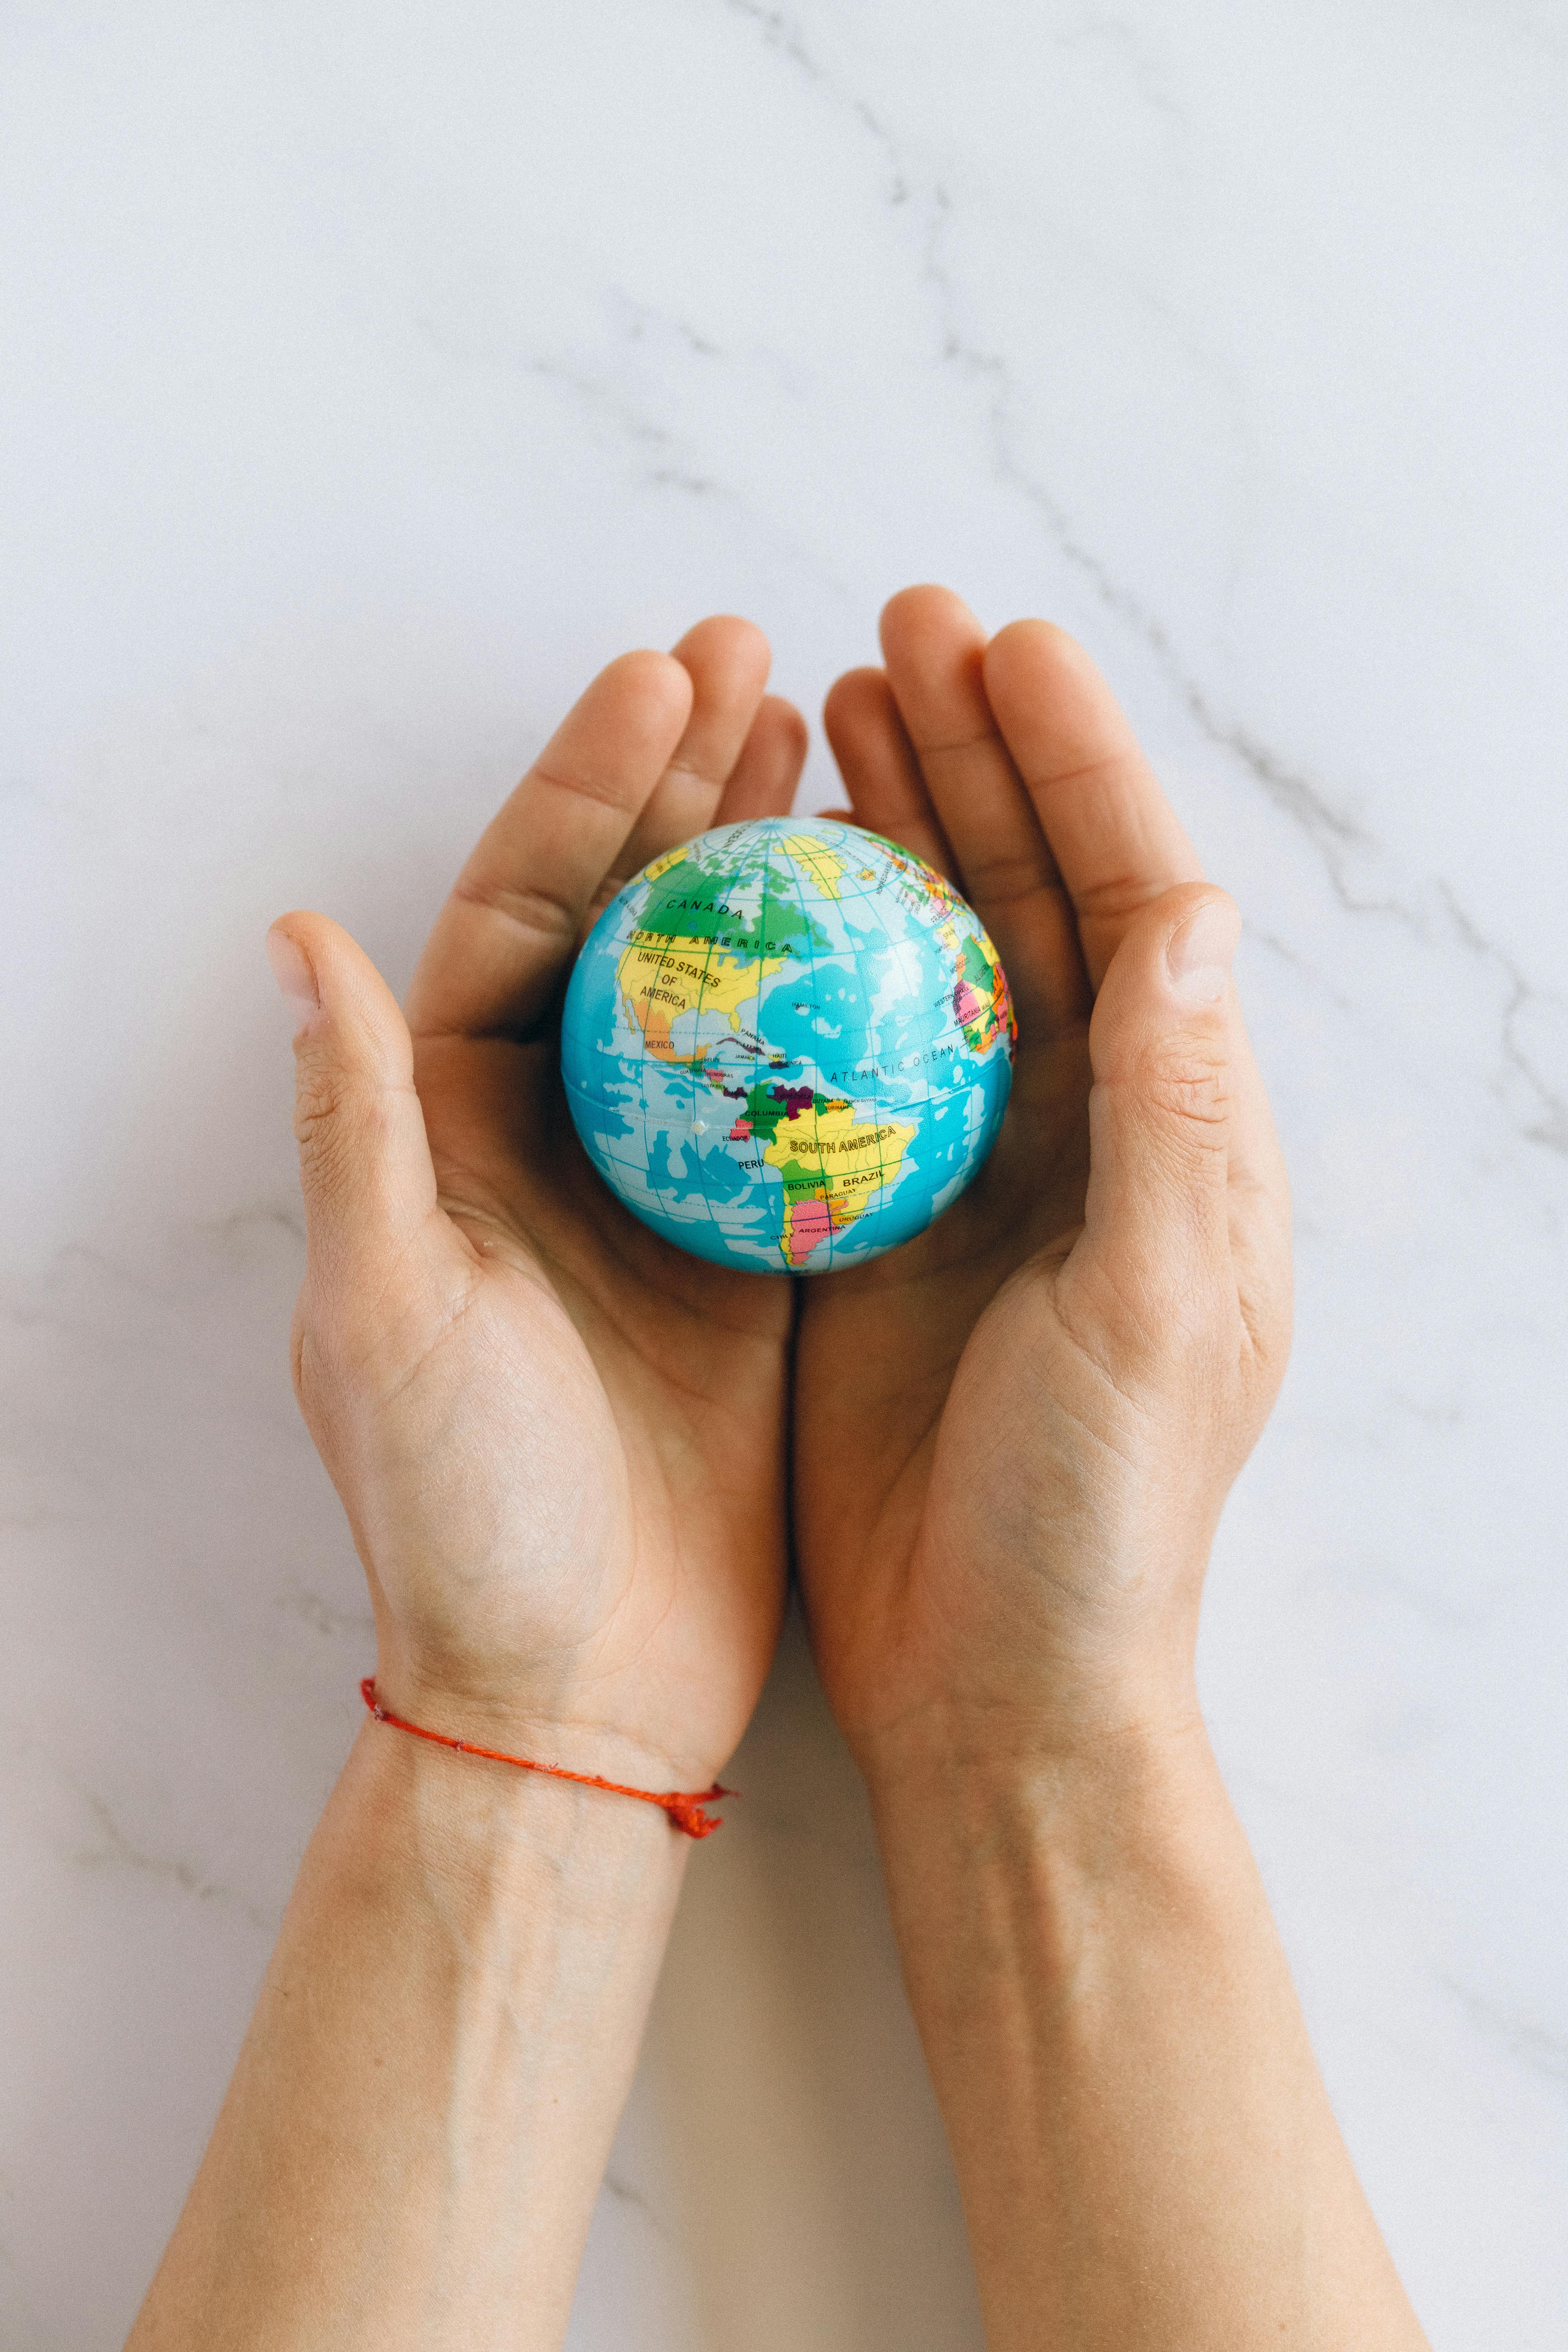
<point x="561" y="1442"/>
<point x="973" y="1483"/>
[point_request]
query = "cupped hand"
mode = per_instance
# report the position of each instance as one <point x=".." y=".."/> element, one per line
<point x="1013" y="1436"/>
<point x="559" y="1440"/>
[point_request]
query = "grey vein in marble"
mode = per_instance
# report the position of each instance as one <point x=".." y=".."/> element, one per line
<point x="117" y="1850"/>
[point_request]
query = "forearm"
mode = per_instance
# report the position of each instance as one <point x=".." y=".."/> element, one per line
<point x="1146" y="2151"/>
<point x="410" y="2148"/>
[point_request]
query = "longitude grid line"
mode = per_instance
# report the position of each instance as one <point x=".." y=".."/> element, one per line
<point x="702" y="987"/>
<point x="845" y="866"/>
<point x="871" y="895"/>
<point x="623" y="942"/>
<point x="791" y="866"/>
<point x="768" y="840"/>
<point x="957" y="907"/>
<point x="876" y="1118"/>
<point x="643" y="1059"/>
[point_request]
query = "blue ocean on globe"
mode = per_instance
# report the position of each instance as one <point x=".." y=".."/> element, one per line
<point x="787" y="1045"/>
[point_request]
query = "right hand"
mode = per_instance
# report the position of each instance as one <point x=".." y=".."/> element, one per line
<point x="1014" y="1434"/>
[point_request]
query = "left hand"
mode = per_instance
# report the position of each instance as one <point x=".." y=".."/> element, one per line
<point x="560" y="1441"/>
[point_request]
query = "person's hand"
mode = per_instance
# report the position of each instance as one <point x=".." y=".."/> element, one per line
<point x="1013" y="1436"/>
<point x="559" y="1440"/>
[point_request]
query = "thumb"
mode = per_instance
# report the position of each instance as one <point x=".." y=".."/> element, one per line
<point x="365" y="1158"/>
<point x="1156" y="1219"/>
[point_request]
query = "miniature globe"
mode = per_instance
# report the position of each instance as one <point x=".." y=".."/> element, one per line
<point x="787" y="1046"/>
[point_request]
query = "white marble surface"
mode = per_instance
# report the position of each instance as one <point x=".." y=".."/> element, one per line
<point x="371" y="374"/>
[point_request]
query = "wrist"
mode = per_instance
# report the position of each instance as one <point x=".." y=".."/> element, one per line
<point x="1044" y="1744"/>
<point x="425" y="1826"/>
<point x="1017" y="1840"/>
<point x="554" y="1716"/>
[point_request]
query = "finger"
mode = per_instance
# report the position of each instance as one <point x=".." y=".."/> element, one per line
<point x="727" y="660"/>
<point x="364" y="1161"/>
<point x="880" y="771"/>
<point x="1157" y="1215"/>
<point x="935" y="651"/>
<point x="505" y="936"/>
<point x="1113" y="833"/>
<point x="761" y="783"/>
<point x="765" y="779"/>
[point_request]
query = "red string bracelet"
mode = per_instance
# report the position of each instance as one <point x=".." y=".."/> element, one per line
<point x="687" y="1809"/>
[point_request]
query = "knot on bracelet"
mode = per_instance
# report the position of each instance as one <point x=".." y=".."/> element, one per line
<point x="687" y="1808"/>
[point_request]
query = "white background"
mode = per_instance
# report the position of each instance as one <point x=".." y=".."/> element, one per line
<point x="373" y="373"/>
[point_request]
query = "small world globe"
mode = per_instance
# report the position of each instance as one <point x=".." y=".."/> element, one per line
<point x="787" y="1045"/>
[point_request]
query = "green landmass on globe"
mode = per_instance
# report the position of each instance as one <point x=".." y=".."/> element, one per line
<point x="787" y="1045"/>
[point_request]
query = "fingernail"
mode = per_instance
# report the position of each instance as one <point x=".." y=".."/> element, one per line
<point x="291" y="971"/>
<point x="1198" y="957"/>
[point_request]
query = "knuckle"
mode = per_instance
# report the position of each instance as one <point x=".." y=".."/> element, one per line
<point x="336" y="1115"/>
<point x="542" y="913"/>
<point x="318" y="1097"/>
<point x="1113" y="897"/>
<point x="1186" y="1078"/>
